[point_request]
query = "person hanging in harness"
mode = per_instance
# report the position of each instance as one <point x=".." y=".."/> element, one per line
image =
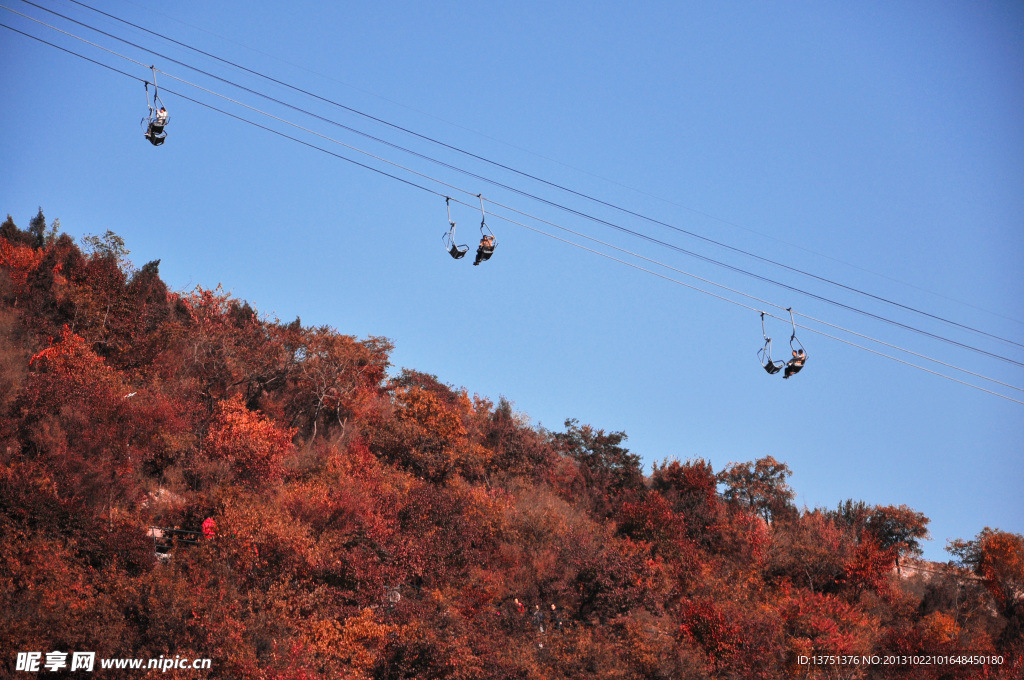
<point x="485" y="250"/>
<point x="487" y="242"/>
<point x="795" y="364"/>
<point x="156" y="126"/>
<point x="158" y="118"/>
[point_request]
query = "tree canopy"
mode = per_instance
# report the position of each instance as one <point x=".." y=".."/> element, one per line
<point x="181" y="476"/>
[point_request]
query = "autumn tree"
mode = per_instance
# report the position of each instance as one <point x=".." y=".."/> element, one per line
<point x="691" y="490"/>
<point x="898" y="528"/>
<point x="17" y="261"/>
<point x="71" y="388"/>
<point x="812" y="552"/>
<point x="883" y="535"/>
<point x="998" y="558"/>
<point x="252" y="444"/>
<point x="518" y="449"/>
<point x="332" y="373"/>
<point x="761" y="487"/>
<point x="608" y="468"/>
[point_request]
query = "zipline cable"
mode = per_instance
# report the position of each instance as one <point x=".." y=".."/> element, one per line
<point x="633" y="254"/>
<point x="534" y="197"/>
<point x="579" y="234"/>
<point x="227" y="113"/>
<point x="753" y="309"/>
<point x="502" y="185"/>
<point x="571" y="167"/>
<point x="752" y="297"/>
<point x="534" y="177"/>
<point x="590" y="238"/>
<point x="516" y="222"/>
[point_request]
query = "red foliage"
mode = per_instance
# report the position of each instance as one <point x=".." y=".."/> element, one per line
<point x="871" y="567"/>
<point x="18" y="260"/>
<point x="249" y="441"/>
<point x="392" y="538"/>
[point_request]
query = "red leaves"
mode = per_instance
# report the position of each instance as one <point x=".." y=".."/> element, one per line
<point x="1001" y="564"/>
<point x="871" y="567"/>
<point x="998" y="558"/>
<point x="407" y="487"/>
<point x="249" y="441"/>
<point x="828" y="624"/>
<point x="19" y="260"/>
<point x="707" y="625"/>
<point x="73" y="365"/>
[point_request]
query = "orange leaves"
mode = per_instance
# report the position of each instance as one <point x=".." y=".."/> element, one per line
<point x="19" y="260"/>
<point x="426" y="409"/>
<point x="998" y="558"/>
<point x="1001" y="564"/>
<point x="248" y="440"/>
<point x="72" y="360"/>
<point x="435" y="430"/>
<point x="813" y="552"/>
<point x="207" y="306"/>
<point x="355" y="645"/>
<point x="827" y="625"/>
<point x="871" y="566"/>
<point x="940" y="628"/>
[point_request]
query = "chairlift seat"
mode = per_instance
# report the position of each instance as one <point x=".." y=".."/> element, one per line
<point x="153" y="131"/>
<point x="764" y="355"/>
<point x="458" y="252"/>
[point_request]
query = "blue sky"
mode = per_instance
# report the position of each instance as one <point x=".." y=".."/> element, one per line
<point x="880" y="145"/>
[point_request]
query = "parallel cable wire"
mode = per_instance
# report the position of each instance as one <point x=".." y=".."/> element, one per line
<point x="244" y="105"/>
<point x="749" y="296"/>
<point x="534" y="217"/>
<point x="477" y="132"/>
<point x="519" y="172"/>
<point x="768" y="314"/>
<point x="227" y="113"/>
<point x="571" y="167"/>
<point x="540" y="199"/>
<point x="576" y="233"/>
<point x="557" y="238"/>
<point x="500" y="141"/>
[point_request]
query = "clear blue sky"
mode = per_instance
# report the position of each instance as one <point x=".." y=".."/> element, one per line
<point x="878" y="144"/>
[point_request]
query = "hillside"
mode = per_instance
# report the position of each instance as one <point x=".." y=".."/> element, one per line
<point x="182" y="477"/>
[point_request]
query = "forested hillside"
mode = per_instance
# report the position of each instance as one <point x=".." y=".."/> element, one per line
<point x="181" y="476"/>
